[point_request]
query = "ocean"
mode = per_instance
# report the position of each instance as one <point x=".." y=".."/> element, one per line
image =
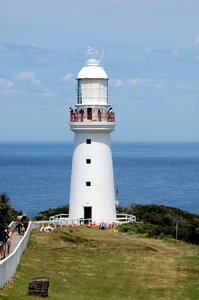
<point x="36" y="176"/>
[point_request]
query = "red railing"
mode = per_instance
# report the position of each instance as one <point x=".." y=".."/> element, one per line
<point x="99" y="117"/>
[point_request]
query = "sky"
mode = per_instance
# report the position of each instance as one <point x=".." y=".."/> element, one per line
<point x="151" y="55"/>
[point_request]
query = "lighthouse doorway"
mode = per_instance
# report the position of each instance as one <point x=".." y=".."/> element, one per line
<point x="87" y="214"/>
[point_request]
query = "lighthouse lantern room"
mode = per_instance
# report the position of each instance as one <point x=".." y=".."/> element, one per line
<point x="92" y="193"/>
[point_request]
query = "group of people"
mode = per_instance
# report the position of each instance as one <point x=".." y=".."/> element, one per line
<point x="6" y="234"/>
<point x="75" y="114"/>
<point x="78" y="115"/>
<point x="5" y="242"/>
<point x="22" y="223"/>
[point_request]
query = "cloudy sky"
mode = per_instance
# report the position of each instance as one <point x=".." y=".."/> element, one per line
<point x="151" y="54"/>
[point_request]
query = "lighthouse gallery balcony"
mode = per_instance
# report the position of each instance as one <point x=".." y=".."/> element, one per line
<point x="92" y="120"/>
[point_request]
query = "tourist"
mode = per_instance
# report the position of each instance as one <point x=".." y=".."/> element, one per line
<point x="81" y="221"/>
<point x="3" y="240"/>
<point x="71" y="114"/>
<point x="99" y="115"/>
<point x="82" y="114"/>
<point x="110" y="114"/>
<point x="24" y="222"/>
<point x="76" y="115"/>
<point x="9" y="233"/>
<point x="19" y="225"/>
<point x="102" y="226"/>
<point x="1" y="245"/>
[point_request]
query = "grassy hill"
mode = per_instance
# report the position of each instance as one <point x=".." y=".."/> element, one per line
<point x="105" y="264"/>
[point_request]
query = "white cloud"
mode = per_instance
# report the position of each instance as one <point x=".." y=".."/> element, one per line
<point x="118" y="82"/>
<point x="182" y="87"/>
<point x="140" y="82"/>
<point x="28" y="76"/>
<point x="144" y="82"/>
<point x="37" y="81"/>
<point x="175" y="53"/>
<point x="137" y="82"/>
<point x="25" y="75"/>
<point x="196" y="41"/>
<point x="147" y="50"/>
<point x="6" y="85"/>
<point x="48" y="94"/>
<point x="68" y="77"/>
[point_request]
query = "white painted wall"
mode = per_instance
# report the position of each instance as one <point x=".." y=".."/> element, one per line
<point x="100" y="195"/>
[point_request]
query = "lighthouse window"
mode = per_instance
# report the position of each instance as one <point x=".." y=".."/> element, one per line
<point x="88" y="141"/>
<point x="88" y="161"/>
<point x="88" y="183"/>
<point x="79" y="93"/>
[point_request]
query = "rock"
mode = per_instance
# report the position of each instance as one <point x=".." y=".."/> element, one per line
<point x="39" y="286"/>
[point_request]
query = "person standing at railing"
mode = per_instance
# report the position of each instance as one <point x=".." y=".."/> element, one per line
<point x="99" y="115"/>
<point x="110" y="114"/>
<point x="71" y="114"/>
<point x="75" y="115"/>
<point x="82" y="114"/>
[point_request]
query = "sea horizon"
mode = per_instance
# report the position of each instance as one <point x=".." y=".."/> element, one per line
<point x="36" y="175"/>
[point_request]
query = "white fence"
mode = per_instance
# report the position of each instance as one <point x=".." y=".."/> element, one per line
<point x="58" y="217"/>
<point x="125" y="218"/>
<point x="64" y="219"/>
<point x="9" y="265"/>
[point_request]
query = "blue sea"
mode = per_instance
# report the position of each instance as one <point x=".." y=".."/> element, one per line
<point x="36" y="176"/>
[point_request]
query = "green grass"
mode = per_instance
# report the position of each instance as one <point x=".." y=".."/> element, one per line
<point x="95" y="264"/>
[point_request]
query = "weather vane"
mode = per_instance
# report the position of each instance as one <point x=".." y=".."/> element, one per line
<point x="92" y="51"/>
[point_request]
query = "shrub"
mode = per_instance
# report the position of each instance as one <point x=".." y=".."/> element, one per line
<point x="7" y="213"/>
<point x="46" y="214"/>
<point x="160" y="221"/>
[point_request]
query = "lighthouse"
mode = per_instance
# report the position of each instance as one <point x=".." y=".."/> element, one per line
<point x="92" y="192"/>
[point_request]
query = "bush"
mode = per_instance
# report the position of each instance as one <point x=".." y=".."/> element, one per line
<point x="7" y="213"/>
<point x="46" y="214"/>
<point x="160" y="221"/>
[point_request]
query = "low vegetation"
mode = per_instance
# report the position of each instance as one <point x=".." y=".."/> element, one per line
<point x="163" y="222"/>
<point x="89" y="263"/>
<point x="46" y="214"/>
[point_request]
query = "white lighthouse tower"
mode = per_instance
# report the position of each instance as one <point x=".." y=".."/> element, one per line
<point x="92" y="194"/>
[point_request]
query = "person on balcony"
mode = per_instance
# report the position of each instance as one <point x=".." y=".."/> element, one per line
<point x="99" y="115"/>
<point x="110" y="114"/>
<point x="71" y="114"/>
<point x="76" y="115"/>
<point x="82" y="114"/>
